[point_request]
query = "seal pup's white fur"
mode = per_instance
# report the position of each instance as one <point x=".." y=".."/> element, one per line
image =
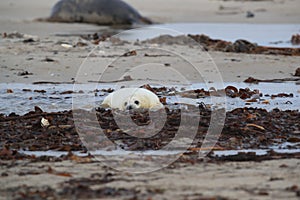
<point x="132" y="98"/>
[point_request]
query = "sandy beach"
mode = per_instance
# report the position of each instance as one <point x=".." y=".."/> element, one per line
<point x="231" y="180"/>
<point x="20" y="15"/>
<point x="32" y="51"/>
<point x="64" y="62"/>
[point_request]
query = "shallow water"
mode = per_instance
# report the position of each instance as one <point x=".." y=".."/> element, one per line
<point x="101" y="153"/>
<point x="52" y="100"/>
<point x="275" y="35"/>
<point x="282" y="148"/>
<point x="21" y="101"/>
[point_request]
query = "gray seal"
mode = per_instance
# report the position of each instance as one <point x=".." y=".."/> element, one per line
<point x="102" y="12"/>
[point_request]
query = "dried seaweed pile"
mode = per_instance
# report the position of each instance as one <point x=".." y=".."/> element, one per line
<point x="244" y="128"/>
<point x="239" y="46"/>
<point x="242" y="46"/>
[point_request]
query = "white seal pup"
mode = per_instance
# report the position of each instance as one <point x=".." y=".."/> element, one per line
<point x="132" y="98"/>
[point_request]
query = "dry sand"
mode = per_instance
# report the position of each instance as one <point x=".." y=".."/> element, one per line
<point x="17" y="57"/>
<point x="231" y="180"/>
<point x="233" y="11"/>
<point x="18" y="15"/>
<point x="246" y="180"/>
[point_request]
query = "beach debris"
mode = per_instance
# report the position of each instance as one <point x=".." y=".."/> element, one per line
<point x="40" y="91"/>
<point x="96" y="38"/>
<point x="109" y="90"/>
<point x="8" y="154"/>
<point x="45" y="122"/>
<point x="293" y="187"/>
<point x="25" y="37"/>
<point x="243" y="93"/>
<point x="81" y="44"/>
<point x="9" y="91"/>
<point x="250" y="14"/>
<point x="48" y="60"/>
<point x="293" y="140"/>
<point x="297" y="72"/>
<point x="265" y="102"/>
<point x="127" y="78"/>
<point x="256" y="126"/>
<point x="281" y="95"/>
<point x="52" y="82"/>
<point x="79" y="159"/>
<point x="251" y="100"/>
<point x="13" y="35"/>
<point x="38" y="109"/>
<point x="256" y="81"/>
<point x="231" y="91"/>
<point x="24" y="73"/>
<point x="212" y="148"/>
<point x="243" y="46"/>
<point x="123" y="79"/>
<point x="148" y="87"/>
<point x="194" y="94"/>
<point x="295" y="40"/>
<point x="239" y="46"/>
<point x="67" y="46"/>
<point x="163" y="100"/>
<point x="4" y="35"/>
<point x="156" y="55"/>
<point x="252" y="80"/>
<point x="130" y="53"/>
<point x="169" y="40"/>
<point x="67" y="92"/>
<point x="50" y="170"/>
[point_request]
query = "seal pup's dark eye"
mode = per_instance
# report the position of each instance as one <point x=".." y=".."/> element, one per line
<point x="137" y="102"/>
<point x="125" y="103"/>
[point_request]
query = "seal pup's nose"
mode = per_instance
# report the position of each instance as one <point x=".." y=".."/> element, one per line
<point x="130" y="107"/>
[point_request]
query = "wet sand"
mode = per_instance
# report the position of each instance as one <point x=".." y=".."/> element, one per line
<point x="275" y="179"/>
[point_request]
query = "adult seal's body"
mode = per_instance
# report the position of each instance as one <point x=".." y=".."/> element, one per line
<point x="102" y="12"/>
